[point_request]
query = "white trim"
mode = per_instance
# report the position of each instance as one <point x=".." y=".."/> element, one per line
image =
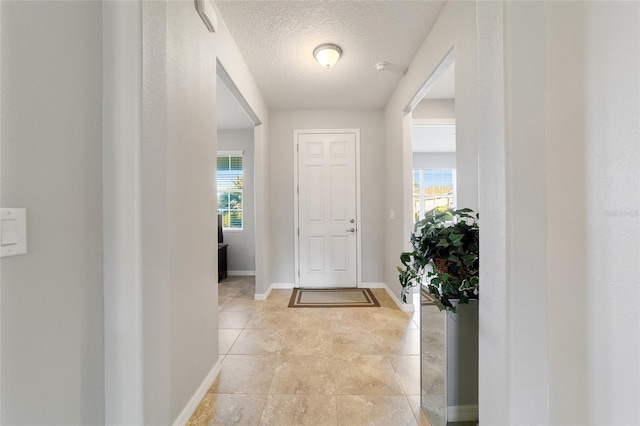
<point x="225" y="78"/>
<point x="241" y="273"/>
<point x="296" y="133"/>
<point x="404" y="307"/>
<point x="462" y="413"/>
<point x="442" y="67"/>
<point x="193" y="403"/>
<point x="274" y="286"/>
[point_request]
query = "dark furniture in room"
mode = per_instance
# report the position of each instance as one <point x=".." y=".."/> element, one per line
<point x="222" y="260"/>
<point x="222" y="252"/>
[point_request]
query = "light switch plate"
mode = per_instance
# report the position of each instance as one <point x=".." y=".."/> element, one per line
<point x="13" y="232"/>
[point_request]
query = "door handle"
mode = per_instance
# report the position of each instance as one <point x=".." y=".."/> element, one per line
<point x="351" y="230"/>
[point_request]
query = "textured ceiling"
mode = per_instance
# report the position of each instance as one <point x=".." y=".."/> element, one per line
<point x="277" y="39"/>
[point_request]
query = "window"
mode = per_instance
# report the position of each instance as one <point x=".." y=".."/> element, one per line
<point x="432" y="188"/>
<point x="230" y="185"/>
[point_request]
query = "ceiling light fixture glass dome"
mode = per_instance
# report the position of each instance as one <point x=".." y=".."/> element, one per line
<point x="327" y="54"/>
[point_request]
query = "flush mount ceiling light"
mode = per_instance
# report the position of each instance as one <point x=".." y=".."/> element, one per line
<point x="327" y="54"/>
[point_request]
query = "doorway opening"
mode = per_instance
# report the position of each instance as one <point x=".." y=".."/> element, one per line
<point x="235" y="181"/>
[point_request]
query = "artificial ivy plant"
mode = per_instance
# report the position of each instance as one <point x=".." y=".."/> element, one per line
<point x="444" y="257"/>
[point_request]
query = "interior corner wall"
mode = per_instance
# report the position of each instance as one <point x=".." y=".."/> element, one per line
<point x="241" y="251"/>
<point x="372" y="163"/>
<point x="52" y="297"/>
<point x="455" y="28"/>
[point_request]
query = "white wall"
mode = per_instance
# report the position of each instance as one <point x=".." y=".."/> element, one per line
<point x="52" y="297"/>
<point x="434" y="160"/>
<point x="171" y="195"/>
<point x="558" y="172"/>
<point x="372" y="166"/>
<point x="241" y="251"/>
<point x="435" y="108"/>
<point x="594" y="151"/>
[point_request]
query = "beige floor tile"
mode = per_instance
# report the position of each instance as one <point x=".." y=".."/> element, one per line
<point x="383" y="298"/>
<point x="414" y="403"/>
<point x="407" y="368"/>
<point x="283" y="410"/>
<point x="223" y="301"/>
<point x="307" y="342"/>
<point x="249" y="374"/>
<point x="225" y="409"/>
<point x="226" y="339"/>
<point x="238" y="304"/>
<point x="230" y="319"/>
<point x="365" y="375"/>
<point x="275" y="320"/>
<point x="304" y="375"/>
<point x="308" y="318"/>
<point x="373" y="410"/>
<point x="261" y="341"/>
<point x="392" y="319"/>
<point x="377" y="341"/>
<point x="286" y="366"/>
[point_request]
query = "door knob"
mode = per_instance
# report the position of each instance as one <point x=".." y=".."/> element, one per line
<point x="351" y="230"/>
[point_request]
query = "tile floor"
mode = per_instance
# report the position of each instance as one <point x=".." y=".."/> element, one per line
<point x="312" y="366"/>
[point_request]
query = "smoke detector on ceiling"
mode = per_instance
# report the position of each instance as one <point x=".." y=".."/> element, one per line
<point x="381" y="66"/>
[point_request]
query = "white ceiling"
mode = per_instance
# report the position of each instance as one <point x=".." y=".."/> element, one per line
<point x="277" y="39"/>
<point x="434" y="138"/>
<point x="229" y="114"/>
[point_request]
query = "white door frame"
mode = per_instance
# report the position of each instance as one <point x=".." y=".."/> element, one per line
<point x="296" y="203"/>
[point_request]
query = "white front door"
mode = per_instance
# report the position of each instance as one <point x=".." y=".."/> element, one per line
<point x="327" y="209"/>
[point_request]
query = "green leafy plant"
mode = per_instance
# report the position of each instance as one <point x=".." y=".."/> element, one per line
<point x="445" y="257"/>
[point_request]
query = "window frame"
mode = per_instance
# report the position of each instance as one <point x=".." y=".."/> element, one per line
<point x="231" y="154"/>
<point x="421" y="190"/>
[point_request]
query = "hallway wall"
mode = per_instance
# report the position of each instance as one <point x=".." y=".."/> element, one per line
<point x="52" y="297"/>
<point x="372" y="166"/>
<point x="159" y="367"/>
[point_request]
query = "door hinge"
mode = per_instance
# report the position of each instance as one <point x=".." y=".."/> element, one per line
<point x="298" y="231"/>
<point x="297" y="148"/>
<point x="298" y="189"/>
<point x="298" y="273"/>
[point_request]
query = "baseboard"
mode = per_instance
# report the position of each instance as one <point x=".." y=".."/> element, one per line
<point x="404" y="307"/>
<point x="191" y="406"/>
<point x="241" y="273"/>
<point x="277" y="286"/>
<point x="462" y="413"/>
